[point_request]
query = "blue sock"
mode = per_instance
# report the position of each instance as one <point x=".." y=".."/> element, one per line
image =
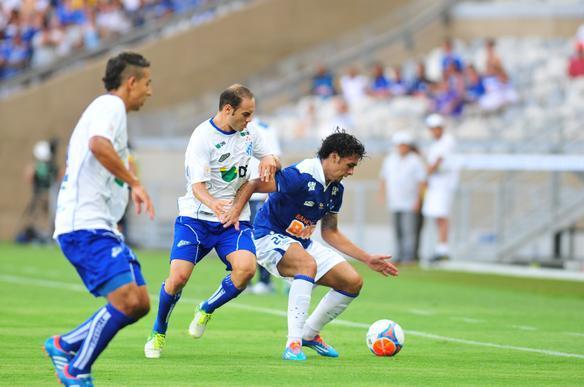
<point x="227" y="291"/>
<point x="71" y="341"/>
<point x="166" y="304"/>
<point x="102" y="329"/>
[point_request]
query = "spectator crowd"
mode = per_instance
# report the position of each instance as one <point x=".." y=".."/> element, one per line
<point x="460" y="84"/>
<point x="35" y="33"/>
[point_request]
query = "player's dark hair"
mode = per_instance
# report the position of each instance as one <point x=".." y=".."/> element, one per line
<point x="121" y="67"/>
<point x="342" y="143"/>
<point x="233" y="96"/>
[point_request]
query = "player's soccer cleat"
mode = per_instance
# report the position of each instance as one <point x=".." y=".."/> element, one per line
<point x="294" y="352"/>
<point x="154" y="345"/>
<point x="199" y="323"/>
<point x="58" y="355"/>
<point x="320" y="347"/>
<point x="74" y="381"/>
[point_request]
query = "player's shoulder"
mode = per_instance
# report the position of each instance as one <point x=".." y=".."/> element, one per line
<point x="311" y="169"/>
<point x="107" y="101"/>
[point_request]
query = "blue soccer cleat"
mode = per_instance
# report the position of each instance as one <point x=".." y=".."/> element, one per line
<point x="67" y="379"/>
<point x="294" y="352"/>
<point x="58" y="355"/>
<point x="320" y="347"/>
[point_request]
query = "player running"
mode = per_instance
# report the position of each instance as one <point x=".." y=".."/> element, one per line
<point x="301" y="195"/>
<point x="216" y="165"/>
<point x="92" y="198"/>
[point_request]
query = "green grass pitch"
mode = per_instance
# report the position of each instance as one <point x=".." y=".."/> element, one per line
<point x="461" y="329"/>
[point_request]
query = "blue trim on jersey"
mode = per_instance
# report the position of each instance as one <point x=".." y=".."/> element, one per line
<point x="221" y="131"/>
<point x="352" y="295"/>
<point x="304" y="277"/>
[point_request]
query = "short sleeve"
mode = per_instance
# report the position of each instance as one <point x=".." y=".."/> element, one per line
<point x="198" y="159"/>
<point x="289" y="180"/>
<point x="106" y="119"/>
<point x="261" y="148"/>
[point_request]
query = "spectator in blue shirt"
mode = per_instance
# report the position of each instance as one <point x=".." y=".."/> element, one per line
<point x="323" y="84"/>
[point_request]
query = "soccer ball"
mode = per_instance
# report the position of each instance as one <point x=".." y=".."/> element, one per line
<point x="385" y="338"/>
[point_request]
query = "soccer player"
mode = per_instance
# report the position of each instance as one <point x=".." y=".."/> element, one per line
<point x="216" y="165"/>
<point x="301" y="195"/>
<point x="92" y="198"/>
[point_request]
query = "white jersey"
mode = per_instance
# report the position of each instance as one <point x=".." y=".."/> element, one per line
<point x="446" y="177"/>
<point x="91" y="197"/>
<point x="220" y="159"/>
<point x="270" y="138"/>
<point x="402" y="176"/>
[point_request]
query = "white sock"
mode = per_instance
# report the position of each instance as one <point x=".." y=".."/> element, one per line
<point x="298" y="305"/>
<point x="330" y="307"/>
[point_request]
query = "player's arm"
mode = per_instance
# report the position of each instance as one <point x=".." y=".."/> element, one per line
<point x="268" y="167"/>
<point x="434" y="167"/>
<point x="104" y="152"/>
<point x="243" y="195"/>
<point x="218" y="206"/>
<point x="334" y="237"/>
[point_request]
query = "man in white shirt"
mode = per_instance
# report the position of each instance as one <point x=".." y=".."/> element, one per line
<point x="92" y="198"/>
<point x="217" y="164"/>
<point x="441" y="183"/>
<point x="402" y="178"/>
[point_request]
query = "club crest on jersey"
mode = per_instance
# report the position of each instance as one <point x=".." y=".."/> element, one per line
<point x="309" y="203"/>
<point x="224" y="157"/>
<point x="311" y="185"/>
<point x="249" y="149"/>
<point x="335" y="190"/>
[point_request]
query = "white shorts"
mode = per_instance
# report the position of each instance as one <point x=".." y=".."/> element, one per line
<point x="271" y="248"/>
<point x="437" y="203"/>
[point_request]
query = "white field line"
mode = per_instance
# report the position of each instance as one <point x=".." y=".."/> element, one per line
<point x="467" y="320"/>
<point x="524" y="327"/>
<point x="76" y="287"/>
<point x="574" y="334"/>
<point x="421" y="312"/>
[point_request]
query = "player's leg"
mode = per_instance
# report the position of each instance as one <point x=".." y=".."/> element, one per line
<point x="442" y="246"/>
<point x="237" y="250"/>
<point x="398" y="235"/>
<point x="286" y="257"/>
<point x="107" y="267"/>
<point x="345" y="283"/>
<point x="409" y="225"/>
<point x="185" y="253"/>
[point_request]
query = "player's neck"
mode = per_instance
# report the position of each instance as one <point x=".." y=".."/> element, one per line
<point x="220" y="122"/>
<point x="122" y="94"/>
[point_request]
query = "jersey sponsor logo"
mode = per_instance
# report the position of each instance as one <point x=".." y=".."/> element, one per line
<point x="309" y="203"/>
<point x="311" y="185"/>
<point x="232" y="173"/>
<point x="119" y="182"/>
<point x="219" y="145"/>
<point x="224" y="157"/>
<point x="116" y="251"/>
<point x="183" y="243"/>
<point x="301" y="227"/>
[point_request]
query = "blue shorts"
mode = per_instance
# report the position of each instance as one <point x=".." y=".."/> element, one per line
<point x="194" y="238"/>
<point x="102" y="259"/>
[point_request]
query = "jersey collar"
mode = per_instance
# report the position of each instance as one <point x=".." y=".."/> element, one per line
<point x="219" y="130"/>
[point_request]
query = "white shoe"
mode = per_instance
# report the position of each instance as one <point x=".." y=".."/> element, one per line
<point x="261" y="288"/>
<point x="154" y="345"/>
<point x="199" y="323"/>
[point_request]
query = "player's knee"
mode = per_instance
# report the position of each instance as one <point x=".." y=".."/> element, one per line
<point x="307" y="266"/>
<point x="176" y="282"/>
<point x="135" y="306"/>
<point x="352" y="284"/>
<point x="244" y="272"/>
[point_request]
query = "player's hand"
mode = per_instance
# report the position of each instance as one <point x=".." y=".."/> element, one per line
<point x="267" y="169"/>
<point x="231" y="218"/>
<point x="380" y="264"/>
<point x="140" y="198"/>
<point x="220" y="207"/>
